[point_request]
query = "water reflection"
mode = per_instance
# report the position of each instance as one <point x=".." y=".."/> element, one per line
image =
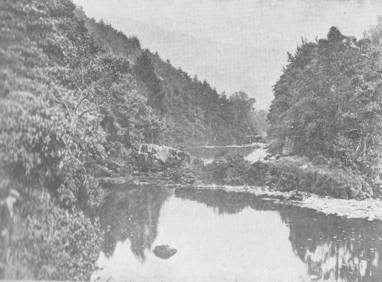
<point x="223" y="236"/>
<point x="223" y="202"/>
<point x="335" y="249"/>
<point x="132" y="215"/>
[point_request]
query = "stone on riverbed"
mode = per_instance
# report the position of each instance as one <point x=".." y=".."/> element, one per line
<point x="164" y="251"/>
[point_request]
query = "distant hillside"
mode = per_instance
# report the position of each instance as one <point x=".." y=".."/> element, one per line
<point x="192" y="111"/>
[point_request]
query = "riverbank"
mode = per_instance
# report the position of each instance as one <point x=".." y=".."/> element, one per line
<point x="324" y="179"/>
<point x="288" y="180"/>
<point x="287" y="173"/>
<point x="251" y="167"/>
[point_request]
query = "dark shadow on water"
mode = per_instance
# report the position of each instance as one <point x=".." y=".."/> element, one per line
<point x="224" y="202"/>
<point x="132" y="215"/>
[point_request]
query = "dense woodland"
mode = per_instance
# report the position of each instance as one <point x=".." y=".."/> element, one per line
<point x="78" y="98"/>
<point x="190" y="111"/>
<point x="328" y="103"/>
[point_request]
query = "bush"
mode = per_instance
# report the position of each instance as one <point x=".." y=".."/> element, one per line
<point x="40" y="145"/>
<point x="289" y="174"/>
<point x="231" y="170"/>
<point x="62" y="245"/>
<point x="47" y="242"/>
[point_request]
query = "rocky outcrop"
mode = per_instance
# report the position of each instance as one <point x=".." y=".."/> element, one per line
<point x="161" y="155"/>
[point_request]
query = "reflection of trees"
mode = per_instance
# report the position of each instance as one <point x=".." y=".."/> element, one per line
<point x="133" y="215"/>
<point x="224" y="202"/>
<point x="221" y="201"/>
<point x="333" y="248"/>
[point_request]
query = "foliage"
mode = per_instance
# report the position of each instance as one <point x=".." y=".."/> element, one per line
<point x="192" y="112"/>
<point x="58" y="89"/>
<point x="45" y="241"/>
<point x="113" y="41"/>
<point x="260" y="123"/>
<point x="77" y="98"/>
<point x="230" y="170"/>
<point x="297" y="173"/>
<point x="63" y="98"/>
<point x="62" y="245"/>
<point x="197" y="114"/>
<point x="328" y="102"/>
<point x="145" y="71"/>
<point x="41" y="146"/>
<point x="289" y="174"/>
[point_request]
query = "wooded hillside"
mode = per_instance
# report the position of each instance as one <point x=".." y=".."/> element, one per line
<point x="328" y="102"/>
<point x="191" y="111"/>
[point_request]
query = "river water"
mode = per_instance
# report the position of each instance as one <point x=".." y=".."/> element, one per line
<point x="226" y="236"/>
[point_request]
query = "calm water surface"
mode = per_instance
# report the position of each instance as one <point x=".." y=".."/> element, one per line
<point x="223" y="236"/>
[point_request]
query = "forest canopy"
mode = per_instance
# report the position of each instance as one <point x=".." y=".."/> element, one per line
<point x="328" y="102"/>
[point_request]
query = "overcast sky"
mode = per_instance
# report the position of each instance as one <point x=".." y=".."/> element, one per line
<point x="233" y="44"/>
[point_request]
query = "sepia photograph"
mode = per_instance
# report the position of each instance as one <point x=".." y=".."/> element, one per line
<point x="191" y="140"/>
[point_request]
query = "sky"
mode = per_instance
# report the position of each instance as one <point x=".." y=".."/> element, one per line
<point x="236" y="45"/>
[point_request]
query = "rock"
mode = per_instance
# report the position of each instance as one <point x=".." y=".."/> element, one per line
<point x="165" y="155"/>
<point x="164" y="251"/>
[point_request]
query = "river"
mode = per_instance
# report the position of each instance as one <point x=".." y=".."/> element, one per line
<point x="231" y="236"/>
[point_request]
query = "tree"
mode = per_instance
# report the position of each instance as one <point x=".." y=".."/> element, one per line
<point x="328" y="101"/>
<point x="144" y="69"/>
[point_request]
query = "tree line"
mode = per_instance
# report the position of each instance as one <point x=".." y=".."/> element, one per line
<point x="191" y="111"/>
<point x="327" y="102"/>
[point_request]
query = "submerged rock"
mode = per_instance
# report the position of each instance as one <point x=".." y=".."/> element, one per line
<point x="164" y="251"/>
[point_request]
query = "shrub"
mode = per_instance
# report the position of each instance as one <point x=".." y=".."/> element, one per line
<point x="47" y="242"/>
<point x="40" y="145"/>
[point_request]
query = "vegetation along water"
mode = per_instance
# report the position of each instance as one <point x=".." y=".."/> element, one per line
<point x="114" y="164"/>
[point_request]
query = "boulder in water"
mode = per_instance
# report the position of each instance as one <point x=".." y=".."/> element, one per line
<point x="164" y="251"/>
